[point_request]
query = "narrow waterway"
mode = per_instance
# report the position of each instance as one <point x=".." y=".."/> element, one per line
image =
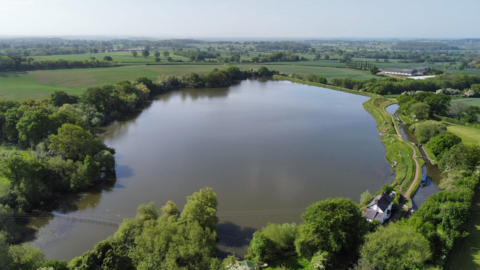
<point x="434" y="174"/>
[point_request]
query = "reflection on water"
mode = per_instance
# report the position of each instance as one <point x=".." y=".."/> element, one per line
<point x="434" y="174"/>
<point x="268" y="149"/>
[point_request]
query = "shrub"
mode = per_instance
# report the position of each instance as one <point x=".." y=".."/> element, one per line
<point x="443" y="142"/>
<point x="428" y="129"/>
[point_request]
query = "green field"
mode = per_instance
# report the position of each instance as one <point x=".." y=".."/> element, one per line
<point x="468" y="134"/>
<point x="468" y="101"/>
<point x="38" y="84"/>
<point x="125" y="58"/>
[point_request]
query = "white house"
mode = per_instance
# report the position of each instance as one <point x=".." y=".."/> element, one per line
<point x="380" y="208"/>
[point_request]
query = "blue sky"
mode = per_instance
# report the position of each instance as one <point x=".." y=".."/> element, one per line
<point x="242" y="18"/>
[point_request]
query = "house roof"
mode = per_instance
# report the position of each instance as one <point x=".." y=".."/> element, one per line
<point x="382" y="201"/>
<point x="370" y="214"/>
<point x="400" y="70"/>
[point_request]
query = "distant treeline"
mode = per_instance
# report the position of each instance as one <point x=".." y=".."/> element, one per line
<point x="276" y="57"/>
<point x="196" y="54"/>
<point x="10" y="63"/>
<point x="282" y="45"/>
<point x="419" y="45"/>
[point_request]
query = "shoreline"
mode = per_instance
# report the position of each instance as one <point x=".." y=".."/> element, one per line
<point x="389" y="135"/>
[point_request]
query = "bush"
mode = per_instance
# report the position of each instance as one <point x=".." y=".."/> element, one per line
<point x="420" y="110"/>
<point x="366" y="198"/>
<point x="408" y="249"/>
<point x="427" y="130"/>
<point x="443" y="142"/>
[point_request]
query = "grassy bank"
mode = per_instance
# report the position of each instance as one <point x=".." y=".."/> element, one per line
<point x="277" y="77"/>
<point x="396" y="149"/>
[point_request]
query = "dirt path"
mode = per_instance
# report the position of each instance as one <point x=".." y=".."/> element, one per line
<point x="417" y="166"/>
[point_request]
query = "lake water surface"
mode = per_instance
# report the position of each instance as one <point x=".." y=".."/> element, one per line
<point x="267" y="148"/>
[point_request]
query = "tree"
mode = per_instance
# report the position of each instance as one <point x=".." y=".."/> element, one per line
<point x="366" y="198"/>
<point x="333" y="225"/>
<point x="134" y="53"/>
<point x="145" y="53"/>
<point x="461" y="156"/>
<point x="471" y="114"/>
<point x="166" y="54"/>
<point x="456" y="109"/>
<point x="26" y="257"/>
<point x="438" y="103"/>
<point x="442" y="143"/>
<point x="263" y="72"/>
<point x="34" y="126"/>
<point x="374" y="70"/>
<point x="394" y="247"/>
<point x="272" y="242"/>
<point x="169" y="59"/>
<point x="157" y="54"/>
<point x="73" y="142"/>
<point x="327" y="57"/>
<point x="157" y="60"/>
<point x="261" y="248"/>
<point x="58" y="97"/>
<point x="428" y="129"/>
<point x="202" y="207"/>
<point x="107" y="58"/>
<point x="420" y="110"/>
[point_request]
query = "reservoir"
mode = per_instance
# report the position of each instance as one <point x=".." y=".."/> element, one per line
<point x="267" y="148"/>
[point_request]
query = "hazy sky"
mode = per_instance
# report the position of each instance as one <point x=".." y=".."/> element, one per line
<point x="242" y="18"/>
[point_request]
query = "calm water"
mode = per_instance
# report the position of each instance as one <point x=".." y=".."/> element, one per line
<point x="433" y="172"/>
<point x="268" y="149"/>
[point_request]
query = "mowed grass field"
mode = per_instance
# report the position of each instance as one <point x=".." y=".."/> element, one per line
<point x="39" y="84"/>
<point x="468" y="134"/>
<point x="468" y="101"/>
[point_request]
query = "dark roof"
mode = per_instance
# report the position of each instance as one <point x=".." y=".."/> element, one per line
<point x="400" y="70"/>
<point x="384" y="200"/>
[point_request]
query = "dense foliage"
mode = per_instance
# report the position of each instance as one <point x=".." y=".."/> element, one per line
<point x="165" y="239"/>
<point x="398" y="86"/>
<point x="394" y="247"/>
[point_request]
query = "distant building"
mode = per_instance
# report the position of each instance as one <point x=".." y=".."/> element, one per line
<point x="380" y="208"/>
<point x="401" y="71"/>
<point x="421" y="70"/>
<point x="136" y="49"/>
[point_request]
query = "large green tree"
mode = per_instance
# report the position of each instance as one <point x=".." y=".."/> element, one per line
<point x="333" y="225"/>
<point x="471" y="113"/>
<point x="443" y="142"/>
<point x="74" y="142"/>
<point x="202" y="207"/>
<point x="428" y="129"/>
<point x="394" y="247"/>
